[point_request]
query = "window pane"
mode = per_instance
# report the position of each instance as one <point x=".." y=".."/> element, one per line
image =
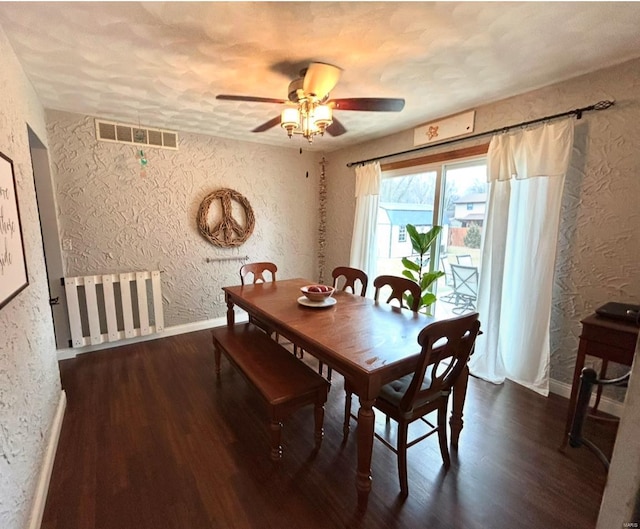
<point x="463" y="217"/>
<point x="404" y="200"/>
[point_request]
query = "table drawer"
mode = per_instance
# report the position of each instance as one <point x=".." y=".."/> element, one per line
<point x="610" y="337"/>
<point x="612" y="354"/>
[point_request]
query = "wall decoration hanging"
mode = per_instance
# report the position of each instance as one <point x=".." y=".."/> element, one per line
<point x="226" y="232"/>
<point x="143" y="162"/>
<point x="13" y="264"/>
<point x="322" y="227"/>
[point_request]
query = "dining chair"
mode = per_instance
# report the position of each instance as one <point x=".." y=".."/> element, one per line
<point x="258" y="270"/>
<point x="445" y="349"/>
<point x="351" y="276"/>
<point x="399" y="287"/>
<point x="465" y="288"/>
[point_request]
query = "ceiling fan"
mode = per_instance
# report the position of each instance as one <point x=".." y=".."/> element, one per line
<point x="309" y="110"/>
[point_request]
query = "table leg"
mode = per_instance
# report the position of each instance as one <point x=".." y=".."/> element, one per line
<point x="582" y="348"/>
<point x="231" y="315"/>
<point x="459" y="396"/>
<point x="366" y="424"/>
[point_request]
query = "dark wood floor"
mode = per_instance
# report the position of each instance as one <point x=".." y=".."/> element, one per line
<point x="150" y="440"/>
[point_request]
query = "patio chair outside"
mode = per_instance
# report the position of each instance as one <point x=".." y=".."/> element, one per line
<point x="446" y="268"/>
<point x="465" y="288"/>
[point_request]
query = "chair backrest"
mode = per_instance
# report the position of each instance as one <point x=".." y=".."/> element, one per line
<point x="465" y="259"/>
<point x="446" y="347"/>
<point x="465" y="280"/>
<point x="258" y="270"/>
<point x="399" y="285"/>
<point x="446" y="268"/>
<point x="351" y="275"/>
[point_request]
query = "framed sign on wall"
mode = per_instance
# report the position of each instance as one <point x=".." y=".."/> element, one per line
<point x="13" y="264"/>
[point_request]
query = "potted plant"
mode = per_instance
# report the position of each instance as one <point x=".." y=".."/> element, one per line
<point x="418" y="270"/>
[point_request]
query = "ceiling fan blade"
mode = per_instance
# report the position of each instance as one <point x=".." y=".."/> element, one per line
<point x="251" y="99"/>
<point x="268" y="125"/>
<point x="369" y="104"/>
<point x="336" y="128"/>
<point x="320" y="79"/>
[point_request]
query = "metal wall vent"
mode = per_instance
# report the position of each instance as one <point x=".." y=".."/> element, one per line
<point x="135" y="135"/>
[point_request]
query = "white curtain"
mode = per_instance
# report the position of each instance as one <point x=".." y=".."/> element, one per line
<point x="363" y="242"/>
<point x="526" y="173"/>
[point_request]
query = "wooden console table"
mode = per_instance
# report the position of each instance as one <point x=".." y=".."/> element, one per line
<point x="610" y="340"/>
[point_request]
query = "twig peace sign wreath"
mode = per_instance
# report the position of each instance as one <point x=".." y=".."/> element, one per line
<point x="226" y="231"/>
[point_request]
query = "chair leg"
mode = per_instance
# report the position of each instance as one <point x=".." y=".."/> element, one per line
<point x="216" y="354"/>
<point x="275" y="428"/>
<point x="402" y="458"/>
<point x="347" y="414"/>
<point x="319" y="420"/>
<point x="329" y="372"/>
<point x="442" y="434"/>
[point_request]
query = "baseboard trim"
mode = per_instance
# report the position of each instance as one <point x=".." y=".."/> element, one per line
<point x="42" y="488"/>
<point x="65" y="354"/>
<point x="607" y="405"/>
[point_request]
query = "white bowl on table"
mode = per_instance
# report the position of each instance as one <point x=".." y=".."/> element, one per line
<point x="317" y="292"/>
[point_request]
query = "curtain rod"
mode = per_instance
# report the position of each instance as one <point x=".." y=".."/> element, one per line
<point x="600" y="105"/>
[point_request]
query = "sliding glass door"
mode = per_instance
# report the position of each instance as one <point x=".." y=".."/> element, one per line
<point x="451" y="195"/>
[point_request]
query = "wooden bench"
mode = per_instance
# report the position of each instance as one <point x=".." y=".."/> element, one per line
<point x="284" y="382"/>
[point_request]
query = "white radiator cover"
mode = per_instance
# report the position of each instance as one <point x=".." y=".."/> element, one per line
<point x="106" y="314"/>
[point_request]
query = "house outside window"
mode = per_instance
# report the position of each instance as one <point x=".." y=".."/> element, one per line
<point x="470" y="209"/>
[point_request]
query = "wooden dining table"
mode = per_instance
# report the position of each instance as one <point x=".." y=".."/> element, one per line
<point x="370" y="343"/>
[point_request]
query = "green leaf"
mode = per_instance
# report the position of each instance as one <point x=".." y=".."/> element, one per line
<point x="421" y="242"/>
<point x="428" y="299"/>
<point x="408" y="263"/>
<point x="408" y="299"/>
<point x="431" y="235"/>
<point x="416" y="241"/>
<point x="429" y="278"/>
<point x="408" y="274"/>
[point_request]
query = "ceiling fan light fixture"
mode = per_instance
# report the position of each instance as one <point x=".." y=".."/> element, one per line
<point x="308" y="119"/>
<point x="323" y="116"/>
<point x="290" y="119"/>
<point x="309" y="126"/>
<point x="309" y="108"/>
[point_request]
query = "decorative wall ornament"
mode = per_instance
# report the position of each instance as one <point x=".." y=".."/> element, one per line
<point x="322" y="226"/>
<point x="443" y="129"/>
<point x="13" y="264"/>
<point x="226" y="232"/>
<point x="143" y="162"/>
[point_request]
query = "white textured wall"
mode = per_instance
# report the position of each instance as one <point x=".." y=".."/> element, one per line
<point x="118" y="221"/>
<point x="29" y="377"/>
<point x="599" y="243"/>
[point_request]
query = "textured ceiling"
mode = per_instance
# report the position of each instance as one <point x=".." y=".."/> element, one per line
<point x="162" y="63"/>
